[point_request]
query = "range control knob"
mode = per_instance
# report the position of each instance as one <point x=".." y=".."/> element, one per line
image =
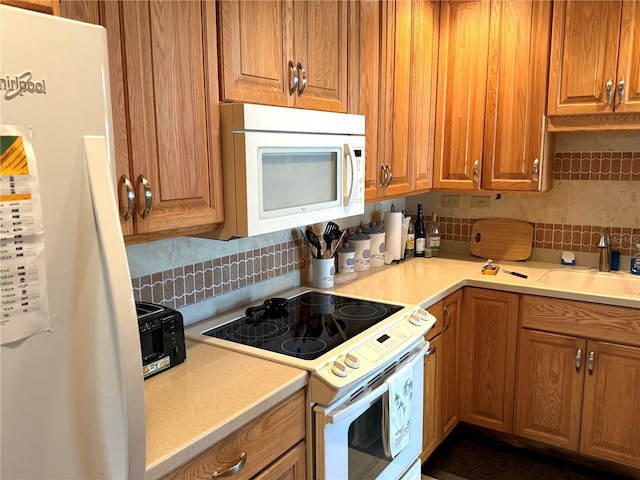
<point x="352" y="361"/>
<point x="339" y="369"/>
<point x="415" y="319"/>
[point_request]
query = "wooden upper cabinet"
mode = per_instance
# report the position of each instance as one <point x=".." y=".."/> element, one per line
<point x="51" y="7"/>
<point x="515" y="143"/>
<point x="462" y="81"/>
<point x="595" y="63"/>
<point x="170" y="79"/>
<point x="407" y="98"/>
<point x="284" y="53"/>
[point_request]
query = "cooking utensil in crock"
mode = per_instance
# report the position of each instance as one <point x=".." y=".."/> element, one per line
<point x="314" y="241"/>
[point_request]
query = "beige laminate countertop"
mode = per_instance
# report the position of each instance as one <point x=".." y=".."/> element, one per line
<point x="216" y="391"/>
<point x="213" y="393"/>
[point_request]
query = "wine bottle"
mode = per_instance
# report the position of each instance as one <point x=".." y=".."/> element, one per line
<point x="420" y="233"/>
<point x="433" y="235"/>
<point x="411" y="242"/>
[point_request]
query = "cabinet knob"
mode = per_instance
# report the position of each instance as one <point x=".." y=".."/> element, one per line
<point x="302" y="73"/>
<point x="126" y="213"/>
<point x="535" y="171"/>
<point x="383" y="172"/>
<point x="578" y="359"/>
<point x="390" y="176"/>
<point x="293" y="78"/>
<point x="448" y="314"/>
<point x="476" y="166"/>
<point x="148" y="196"/>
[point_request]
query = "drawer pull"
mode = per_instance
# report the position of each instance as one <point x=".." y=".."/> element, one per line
<point x="578" y="359"/>
<point x="431" y="351"/>
<point x="448" y="314"/>
<point x="232" y="470"/>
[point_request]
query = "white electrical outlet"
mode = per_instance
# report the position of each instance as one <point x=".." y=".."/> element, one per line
<point x="480" y="201"/>
<point x="451" y="201"/>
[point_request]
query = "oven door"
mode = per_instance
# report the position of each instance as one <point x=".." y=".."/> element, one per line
<point x="349" y="443"/>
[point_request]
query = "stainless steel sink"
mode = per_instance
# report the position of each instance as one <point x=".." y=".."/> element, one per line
<point x="592" y="281"/>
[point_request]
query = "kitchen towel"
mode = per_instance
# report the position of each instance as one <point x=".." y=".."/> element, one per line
<point x="396" y="412"/>
<point x="393" y="236"/>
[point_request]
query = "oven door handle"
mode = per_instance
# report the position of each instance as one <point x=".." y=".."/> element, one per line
<point x="367" y="400"/>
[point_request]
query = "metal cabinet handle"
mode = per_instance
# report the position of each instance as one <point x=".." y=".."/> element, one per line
<point x="388" y="167"/>
<point x="578" y="359"/>
<point x="303" y="83"/>
<point x="621" y="91"/>
<point x="609" y="88"/>
<point x="535" y="173"/>
<point x="233" y="469"/>
<point x="476" y="166"/>
<point x="148" y="196"/>
<point x="431" y="351"/>
<point x="293" y="78"/>
<point x="126" y="213"/>
<point x="383" y="172"/>
<point x="448" y="314"/>
<point x="590" y="362"/>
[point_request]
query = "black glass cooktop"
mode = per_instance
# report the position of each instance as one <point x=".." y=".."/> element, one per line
<point x="306" y="326"/>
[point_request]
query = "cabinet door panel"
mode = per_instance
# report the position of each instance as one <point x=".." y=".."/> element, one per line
<point x="487" y="357"/>
<point x="462" y="80"/>
<point x="449" y="409"/>
<point x="321" y="46"/>
<point x="173" y="136"/>
<point x="549" y="393"/>
<point x="610" y="426"/>
<point x="583" y="56"/>
<point x="254" y="55"/>
<point x="430" y="428"/>
<point x="516" y="94"/>
<point x="629" y="58"/>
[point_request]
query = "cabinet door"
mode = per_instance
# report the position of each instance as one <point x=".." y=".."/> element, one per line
<point x="611" y="411"/>
<point x="487" y="357"/>
<point x="549" y="394"/>
<point x="255" y="55"/>
<point x="409" y="63"/>
<point x="364" y="84"/>
<point x="462" y="81"/>
<point x="449" y="406"/>
<point x="516" y="95"/>
<point x="629" y="59"/>
<point x="432" y="367"/>
<point x="50" y="7"/>
<point x="584" y="50"/>
<point x="320" y="45"/>
<point x="291" y="466"/>
<point x="171" y="74"/>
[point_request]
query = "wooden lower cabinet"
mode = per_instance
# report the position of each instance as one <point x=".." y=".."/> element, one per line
<point x="273" y="444"/>
<point x="487" y="356"/>
<point x="441" y="410"/>
<point x="577" y="388"/>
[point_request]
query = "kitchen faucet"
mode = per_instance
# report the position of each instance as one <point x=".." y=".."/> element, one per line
<point x="604" y="245"/>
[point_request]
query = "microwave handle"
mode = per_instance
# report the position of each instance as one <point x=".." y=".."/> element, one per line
<point x="367" y="400"/>
<point x="348" y="199"/>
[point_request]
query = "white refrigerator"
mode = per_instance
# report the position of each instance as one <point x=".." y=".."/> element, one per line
<point x="71" y="386"/>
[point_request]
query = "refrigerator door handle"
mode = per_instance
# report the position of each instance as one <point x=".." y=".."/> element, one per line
<point x="118" y="280"/>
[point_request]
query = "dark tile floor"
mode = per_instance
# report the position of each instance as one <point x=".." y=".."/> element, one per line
<point x="468" y="455"/>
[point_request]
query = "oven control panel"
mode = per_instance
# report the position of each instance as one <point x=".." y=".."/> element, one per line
<point x="359" y="364"/>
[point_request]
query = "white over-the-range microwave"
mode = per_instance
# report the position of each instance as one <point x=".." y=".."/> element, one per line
<point x="284" y="168"/>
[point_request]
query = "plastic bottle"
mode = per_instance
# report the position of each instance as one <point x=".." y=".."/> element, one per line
<point x="411" y="241"/>
<point x="420" y="234"/>
<point x="635" y="261"/>
<point x="433" y="235"/>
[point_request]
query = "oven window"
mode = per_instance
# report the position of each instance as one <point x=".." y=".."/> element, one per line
<point x="366" y="453"/>
<point x="282" y="171"/>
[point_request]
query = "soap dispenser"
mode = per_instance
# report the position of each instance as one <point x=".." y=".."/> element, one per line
<point x="635" y="261"/>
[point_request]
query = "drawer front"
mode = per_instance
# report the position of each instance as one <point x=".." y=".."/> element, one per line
<point x="581" y="319"/>
<point x="263" y="441"/>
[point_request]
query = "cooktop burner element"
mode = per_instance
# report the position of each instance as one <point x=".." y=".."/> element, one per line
<point x="305" y="326"/>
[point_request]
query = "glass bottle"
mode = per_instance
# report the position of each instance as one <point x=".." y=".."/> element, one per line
<point x="411" y="241"/>
<point x="420" y="233"/>
<point x="433" y="235"/>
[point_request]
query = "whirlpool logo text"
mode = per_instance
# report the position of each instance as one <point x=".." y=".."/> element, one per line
<point x="18" y="85"/>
